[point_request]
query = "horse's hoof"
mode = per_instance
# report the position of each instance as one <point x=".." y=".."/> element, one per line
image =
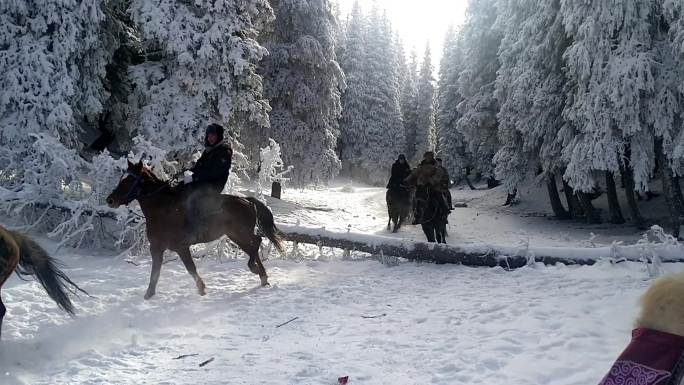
<point x="264" y="281"/>
<point x="148" y="295"/>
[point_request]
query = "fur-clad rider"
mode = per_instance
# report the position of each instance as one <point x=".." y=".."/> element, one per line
<point x="428" y="181"/>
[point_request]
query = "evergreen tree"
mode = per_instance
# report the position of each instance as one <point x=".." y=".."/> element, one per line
<point x="451" y="144"/>
<point x="530" y="89"/>
<point x="53" y="59"/>
<point x="303" y="83"/>
<point x="371" y="125"/>
<point x="201" y="68"/>
<point x="354" y="98"/>
<point x="479" y="107"/>
<point x="382" y="137"/>
<point x="407" y="101"/>
<point x="425" y="111"/>
<point x="610" y="67"/>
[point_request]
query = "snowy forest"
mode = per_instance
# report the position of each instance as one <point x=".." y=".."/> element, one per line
<point x="305" y="249"/>
<point x="585" y="98"/>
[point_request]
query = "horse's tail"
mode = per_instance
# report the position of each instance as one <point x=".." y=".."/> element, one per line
<point x="266" y="223"/>
<point x="34" y="260"/>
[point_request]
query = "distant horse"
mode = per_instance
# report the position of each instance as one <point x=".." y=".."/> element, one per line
<point x="398" y="206"/>
<point x="164" y="210"/>
<point x="432" y="216"/>
<point x="18" y="252"/>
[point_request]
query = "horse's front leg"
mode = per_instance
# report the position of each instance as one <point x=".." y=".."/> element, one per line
<point x="186" y="257"/>
<point x="157" y="259"/>
<point x="2" y="315"/>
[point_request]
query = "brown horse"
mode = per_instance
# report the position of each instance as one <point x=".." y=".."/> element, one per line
<point x="164" y="210"/>
<point x="17" y="252"/>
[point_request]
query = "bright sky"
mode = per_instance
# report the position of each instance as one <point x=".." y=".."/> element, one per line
<point x="418" y="21"/>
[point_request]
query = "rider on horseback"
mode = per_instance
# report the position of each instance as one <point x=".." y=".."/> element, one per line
<point x="428" y="181"/>
<point x="205" y="181"/>
<point x="400" y="171"/>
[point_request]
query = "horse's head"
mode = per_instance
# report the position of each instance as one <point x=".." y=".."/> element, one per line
<point x="131" y="186"/>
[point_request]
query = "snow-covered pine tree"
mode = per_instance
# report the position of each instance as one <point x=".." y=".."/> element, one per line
<point x="407" y="101"/>
<point x="201" y="67"/>
<point x="425" y="111"/>
<point x="354" y="98"/>
<point x="665" y="108"/>
<point x="480" y="62"/>
<point x="445" y="65"/>
<point x="610" y="67"/>
<point x="53" y="58"/>
<point x="303" y="83"/>
<point x="530" y="91"/>
<point x="451" y="144"/>
<point x="382" y="138"/>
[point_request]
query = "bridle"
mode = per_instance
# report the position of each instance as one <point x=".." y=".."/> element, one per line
<point x="134" y="192"/>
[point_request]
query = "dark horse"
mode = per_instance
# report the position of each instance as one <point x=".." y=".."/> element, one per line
<point x="398" y="206"/>
<point x="432" y="216"/>
<point x="18" y="252"/>
<point x="164" y="210"/>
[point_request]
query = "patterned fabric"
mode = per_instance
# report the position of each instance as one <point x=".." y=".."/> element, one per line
<point x="651" y="358"/>
<point x="630" y="373"/>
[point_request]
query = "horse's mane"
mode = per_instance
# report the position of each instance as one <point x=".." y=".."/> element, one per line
<point x="148" y="173"/>
<point x="165" y="185"/>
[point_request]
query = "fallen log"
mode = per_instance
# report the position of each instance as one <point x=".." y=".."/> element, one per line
<point x="480" y="254"/>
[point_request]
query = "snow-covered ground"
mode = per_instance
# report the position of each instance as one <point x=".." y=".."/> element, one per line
<point x="433" y="324"/>
<point x="484" y="220"/>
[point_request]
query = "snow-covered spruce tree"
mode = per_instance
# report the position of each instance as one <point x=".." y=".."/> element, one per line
<point x="425" y="111"/>
<point x="53" y="58"/>
<point x="610" y="68"/>
<point x="303" y="84"/>
<point x="407" y="102"/>
<point x="381" y="139"/>
<point x="666" y="107"/>
<point x="609" y="63"/>
<point x="201" y="67"/>
<point x="480" y="62"/>
<point x="354" y="98"/>
<point x="446" y="63"/>
<point x="451" y="144"/>
<point x="530" y="90"/>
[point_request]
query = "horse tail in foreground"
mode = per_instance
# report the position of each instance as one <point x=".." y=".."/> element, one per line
<point x="655" y="354"/>
<point x="266" y="223"/>
<point x="34" y="260"/>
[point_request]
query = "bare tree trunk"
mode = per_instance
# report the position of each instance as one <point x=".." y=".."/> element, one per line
<point x="591" y="213"/>
<point x="492" y="182"/>
<point x="441" y="253"/>
<point x="574" y="206"/>
<point x="678" y="192"/>
<point x="511" y="197"/>
<point x="674" y="205"/>
<point x="637" y="219"/>
<point x="613" y="202"/>
<point x="556" y="204"/>
<point x="276" y="190"/>
<point x="468" y="179"/>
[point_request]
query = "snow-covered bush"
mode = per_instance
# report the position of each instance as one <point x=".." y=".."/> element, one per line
<point x="271" y="167"/>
